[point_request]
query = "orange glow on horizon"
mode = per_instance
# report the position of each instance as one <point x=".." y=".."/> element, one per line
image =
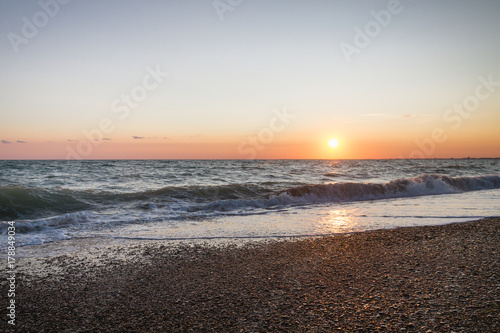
<point x="285" y="147"/>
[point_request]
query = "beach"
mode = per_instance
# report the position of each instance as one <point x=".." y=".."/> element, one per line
<point x="412" y="279"/>
<point x="249" y="166"/>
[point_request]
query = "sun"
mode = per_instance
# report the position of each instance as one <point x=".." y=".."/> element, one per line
<point x="333" y="143"/>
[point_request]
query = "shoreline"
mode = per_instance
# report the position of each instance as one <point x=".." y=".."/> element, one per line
<point x="415" y="279"/>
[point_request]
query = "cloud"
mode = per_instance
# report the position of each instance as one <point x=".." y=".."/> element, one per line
<point x="106" y="139"/>
<point x="69" y="140"/>
<point x="6" y="142"/>
<point x="409" y="116"/>
<point x="20" y="141"/>
<point x="138" y="137"/>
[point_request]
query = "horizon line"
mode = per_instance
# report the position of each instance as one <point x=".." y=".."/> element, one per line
<point x="256" y="159"/>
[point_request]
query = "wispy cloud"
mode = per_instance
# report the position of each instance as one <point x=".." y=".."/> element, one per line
<point x="20" y="141"/>
<point x="138" y="137"/>
<point x="106" y="139"/>
<point x="6" y="142"/>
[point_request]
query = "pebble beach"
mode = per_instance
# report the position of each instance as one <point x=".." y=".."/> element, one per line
<point x="415" y="279"/>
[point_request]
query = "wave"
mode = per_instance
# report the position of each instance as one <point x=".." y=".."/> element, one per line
<point x="20" y="201"/>
<point x="51" y="222"/>
<point x="465" y="167"/>
<point x="332" y="174"/>
<point x="345" y="192"/>
<point x="17" y="202"/>
<point x="405" y="187"/>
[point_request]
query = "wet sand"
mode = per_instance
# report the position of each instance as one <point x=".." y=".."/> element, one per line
<point x="418" y="279"/>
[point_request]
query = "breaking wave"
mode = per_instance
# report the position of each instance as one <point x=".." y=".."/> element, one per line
<point x="17" y="202"/>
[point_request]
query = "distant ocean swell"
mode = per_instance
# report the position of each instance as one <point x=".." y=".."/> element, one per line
<point x="17" y="202"/>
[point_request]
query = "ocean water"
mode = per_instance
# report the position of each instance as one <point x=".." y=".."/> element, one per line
<point x="52" y="201"/>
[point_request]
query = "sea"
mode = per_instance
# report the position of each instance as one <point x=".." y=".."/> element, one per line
<point x="105" y="201"/>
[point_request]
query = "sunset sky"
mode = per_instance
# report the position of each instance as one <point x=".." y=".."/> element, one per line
<point x="249" y="79"/>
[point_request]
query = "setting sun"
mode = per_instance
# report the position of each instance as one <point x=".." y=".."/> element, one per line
<point x="333" y="143"/>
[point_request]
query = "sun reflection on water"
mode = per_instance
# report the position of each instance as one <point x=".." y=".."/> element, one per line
<point x="335" y="221"/>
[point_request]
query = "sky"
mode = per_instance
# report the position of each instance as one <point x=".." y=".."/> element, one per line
<point x="249" y="79"/>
